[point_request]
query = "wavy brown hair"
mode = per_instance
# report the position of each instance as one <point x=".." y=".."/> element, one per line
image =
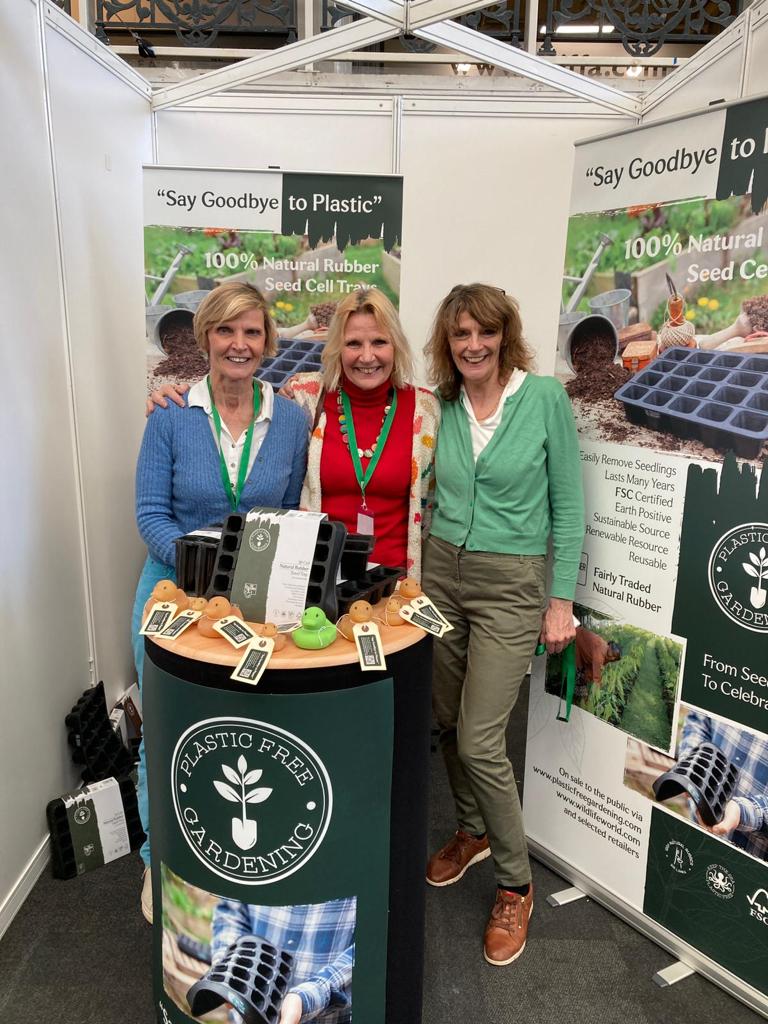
<point x="493" y="309"/>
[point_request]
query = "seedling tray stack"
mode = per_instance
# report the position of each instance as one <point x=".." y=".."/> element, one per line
<point x="718" y="398"/>
<point x="372" y="586"/>
<point x="321" y="591"/>
<point x="63" y="856"/>
<point x="292" y="357"/>
<point x="707" y="776"/>
<point x="195" y="561"/>
<point x="253" y="976"/>
<point x="95" y="744"/>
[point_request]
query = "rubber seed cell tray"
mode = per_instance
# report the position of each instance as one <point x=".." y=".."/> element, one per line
<point x="95" y="744"/>
<point x="63" y="856"/>
<point x="321" y="592"/>
<point x="253" y="975"/>
<point x="372" y="586"/>
<point x="292" y="357"/>
<point x="717" y="398"/>
<point x="706" y="775"/>
<point x="195" y="560"/>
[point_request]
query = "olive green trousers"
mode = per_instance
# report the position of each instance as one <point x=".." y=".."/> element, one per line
<point x="494" y="603"/>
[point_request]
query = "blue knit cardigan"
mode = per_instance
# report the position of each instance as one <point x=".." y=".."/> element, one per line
<point x="178" y="476"/>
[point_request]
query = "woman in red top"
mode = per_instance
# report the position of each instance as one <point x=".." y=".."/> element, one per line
<point x="371" y="453"/>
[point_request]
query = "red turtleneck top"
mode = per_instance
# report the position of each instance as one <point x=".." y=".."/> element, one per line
<point x="388" y="490"/>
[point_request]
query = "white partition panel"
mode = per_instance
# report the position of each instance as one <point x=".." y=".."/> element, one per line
<point x="756" y="76"/>
<point x="715" y="73"/>
<point x="294" y="133"/>
<point x="487" y="191"/>
<point x="101" y="132"/>
<point x="44" y="647"/>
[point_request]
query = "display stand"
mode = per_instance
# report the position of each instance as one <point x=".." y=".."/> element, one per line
<point x="338" y="761"/>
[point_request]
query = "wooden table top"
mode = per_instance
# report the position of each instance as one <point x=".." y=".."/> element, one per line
<point x="218" y="651"/>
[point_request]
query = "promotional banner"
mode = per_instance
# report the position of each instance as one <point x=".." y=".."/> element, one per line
<point x="657" y="788"/>
<point x="270" y="818"/>
<point x="304" y="239"/>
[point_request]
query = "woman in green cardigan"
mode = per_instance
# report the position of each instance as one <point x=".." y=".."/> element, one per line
<point x="508" y="480"/>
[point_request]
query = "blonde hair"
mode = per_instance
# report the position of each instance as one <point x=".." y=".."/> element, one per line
<point x="227" y="302"/>
<point x="491" y="308"/>
<point x="375" y="302"/>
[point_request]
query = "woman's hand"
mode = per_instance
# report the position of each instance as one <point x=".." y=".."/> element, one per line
<point x="290" y="1012"/>
<point x="157" y="397"/>
<point x="287" y="389"/>
<point x="557" y="628"/>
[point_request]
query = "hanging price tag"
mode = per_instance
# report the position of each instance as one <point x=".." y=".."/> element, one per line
<point x="416" y="618"/>
<point x="177" y="626"/>
<point x="424" y="605"/>
<point x="251" y="666"/>
<point x="370" y="651"/>
<point x="234" y="630"/>
<point x="160" y="614"/>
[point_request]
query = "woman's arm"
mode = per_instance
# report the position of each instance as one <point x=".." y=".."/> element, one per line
<point x="154" y="489"/>
<point x="299" y="466"/>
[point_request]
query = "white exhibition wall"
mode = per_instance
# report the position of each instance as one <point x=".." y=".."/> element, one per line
<point x="468" y="165"/>
<point x="72" y="409"/>
<point x="487" y="184"/>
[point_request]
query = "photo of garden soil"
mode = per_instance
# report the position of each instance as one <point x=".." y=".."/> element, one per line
<point x="714" y="777"/>
<point x="663" y="333"/>
<point x="625" y="676"/>
<point x="224" y="960"/>
<point x="302" y="285"/>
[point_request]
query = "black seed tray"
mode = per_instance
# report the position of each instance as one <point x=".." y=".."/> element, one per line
<point x="718" y="398"/>
<point x="354" y="557"/>
<point x="321" y="591"/>
<point x="253" y="975"/>
<point x="95" y="744"/>
<point x="371" y="587"/>
<point x="707" y="776"/>
<point x="293" y="357"/>
<point x="195" y="559"/>
<point x="63" y="863"/>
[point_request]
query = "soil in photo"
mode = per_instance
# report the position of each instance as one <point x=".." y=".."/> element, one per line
<point x="183" y="362"/>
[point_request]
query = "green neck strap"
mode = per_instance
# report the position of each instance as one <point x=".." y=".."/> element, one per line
<point x="242" y="472"/>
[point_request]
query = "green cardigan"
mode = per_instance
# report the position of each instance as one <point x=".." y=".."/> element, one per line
<point x="525" y="486"/>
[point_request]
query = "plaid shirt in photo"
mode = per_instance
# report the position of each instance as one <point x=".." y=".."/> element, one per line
<point x="319" y="936"/>
<point x="749" y="753"/>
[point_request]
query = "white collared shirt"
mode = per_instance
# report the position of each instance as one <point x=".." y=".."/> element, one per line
<point x="482" y="431"/>
<point x="232" y="449"/>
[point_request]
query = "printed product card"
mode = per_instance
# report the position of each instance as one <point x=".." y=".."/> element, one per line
<point x="160" y="614"/>
<point x="97" y="824"/>
<point x="274" y="563"/>
<point x="253" y="663"/>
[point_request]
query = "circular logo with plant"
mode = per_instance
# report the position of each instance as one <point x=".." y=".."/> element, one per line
<point x="679" y="857"/>
<point x="738" y="575"/>
<point x="259" y="539"/>
<point x="252" y="800"/>
<point x="82" y="815"/>
<point x="720" y="881"/>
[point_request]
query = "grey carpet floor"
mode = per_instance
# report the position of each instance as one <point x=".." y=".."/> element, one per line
<point x="79" y="952"/>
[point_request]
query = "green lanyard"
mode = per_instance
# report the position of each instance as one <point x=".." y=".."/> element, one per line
<point x="363" y="479"/>
<point x="567" y="679"/>
<point x="242" y="473"/>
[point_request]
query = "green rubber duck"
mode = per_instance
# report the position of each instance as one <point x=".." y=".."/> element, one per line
<point x="315" y="630"/>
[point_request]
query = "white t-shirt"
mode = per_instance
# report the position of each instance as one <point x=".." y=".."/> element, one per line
<point x="232" y="450"/>
<point x="483" y="430"/>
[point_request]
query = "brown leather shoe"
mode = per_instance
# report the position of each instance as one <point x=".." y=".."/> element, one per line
<point x="507" y="927"/>
<point x="449" y="864"/>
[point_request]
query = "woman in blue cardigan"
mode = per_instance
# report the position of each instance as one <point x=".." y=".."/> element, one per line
<point x="233" y="446"/>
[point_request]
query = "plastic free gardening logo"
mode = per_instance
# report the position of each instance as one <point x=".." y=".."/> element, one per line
<point x="738" y="575"/>
<point x="252" y="801"/>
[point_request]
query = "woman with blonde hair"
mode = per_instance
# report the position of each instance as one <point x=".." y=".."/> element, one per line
<point x="371" y="453"/>
<point x="233" y="445"/>
<point x="508" y="480"/>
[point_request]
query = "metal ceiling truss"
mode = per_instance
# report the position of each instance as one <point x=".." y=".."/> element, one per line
<point x="386" y="19"/>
